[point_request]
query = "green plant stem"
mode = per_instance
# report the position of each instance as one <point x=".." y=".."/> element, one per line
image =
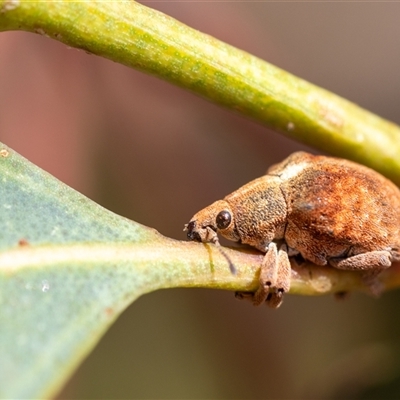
<point x="201" y="266"/>
<point x="145" y="39"/>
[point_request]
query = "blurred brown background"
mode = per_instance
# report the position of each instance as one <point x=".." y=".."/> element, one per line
<point x="157" y="154"/>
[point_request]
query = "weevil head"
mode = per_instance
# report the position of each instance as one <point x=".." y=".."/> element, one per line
<point x="218" y="217"/>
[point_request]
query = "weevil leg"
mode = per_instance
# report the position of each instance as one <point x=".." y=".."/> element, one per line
<point x="371" y="264"/>
<point x="371" y="261"/>
<point x="274" y="277"/>
<point x="268" y="276"/>
<point x="275" y="299"/>
<point x="282" y="284"/>
<point x="396" y="254"/>
<point x="244" y="296"/>
<point x="267" y="279"/>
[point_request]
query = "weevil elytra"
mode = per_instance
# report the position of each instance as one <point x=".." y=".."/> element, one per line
<point x="328" y="210"/>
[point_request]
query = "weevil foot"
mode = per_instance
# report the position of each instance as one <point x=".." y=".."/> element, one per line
<point x="272" y="299"/>
<point x="244" y="296"/>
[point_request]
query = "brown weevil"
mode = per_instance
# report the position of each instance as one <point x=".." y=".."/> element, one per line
<point x="328" y="210"/>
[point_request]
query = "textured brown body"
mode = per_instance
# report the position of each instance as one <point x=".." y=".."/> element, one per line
<point x="327" y="209"/>
<point x="339" y="209"/>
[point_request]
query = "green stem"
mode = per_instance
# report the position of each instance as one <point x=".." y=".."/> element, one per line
<point x="145" y="39"/>
<point x="180" y="264"/>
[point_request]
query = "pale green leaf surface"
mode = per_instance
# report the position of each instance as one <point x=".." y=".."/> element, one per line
<point x="58" y="215"/>
<point x="47" y="310"/>
<point x="68" y="267"/>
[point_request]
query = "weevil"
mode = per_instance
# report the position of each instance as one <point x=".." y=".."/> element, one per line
<point x="328" y="210"/>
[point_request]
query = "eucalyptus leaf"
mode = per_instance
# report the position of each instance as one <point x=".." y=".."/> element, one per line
<point x="68" y="267"/>
<point x="60" y="286"/>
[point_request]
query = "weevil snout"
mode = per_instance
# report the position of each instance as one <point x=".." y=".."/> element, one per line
<point x="200" y="233"/>
<point x="209" y="235"/>
<point x="204" y="225"/>
<point x="192" y="233"/>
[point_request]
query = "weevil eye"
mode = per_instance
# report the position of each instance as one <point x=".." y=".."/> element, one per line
<point x="223" y="219"/>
